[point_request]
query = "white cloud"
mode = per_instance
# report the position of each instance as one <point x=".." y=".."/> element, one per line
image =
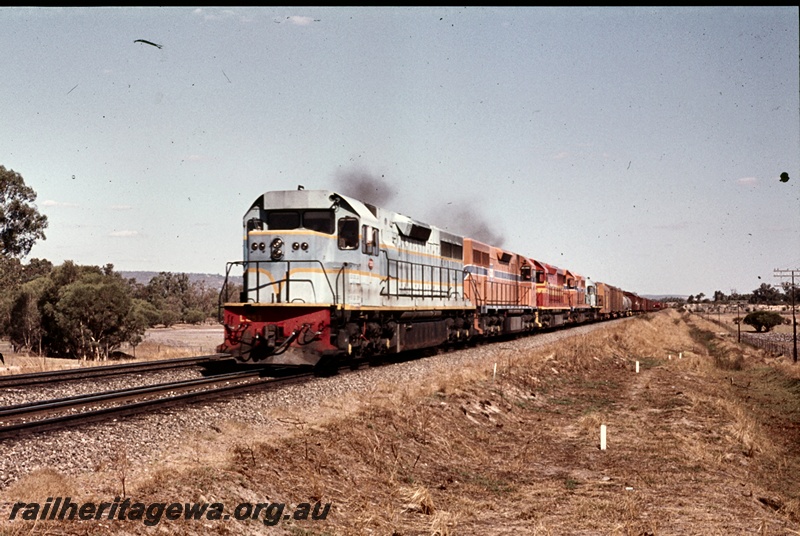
<point x="747" y="181"/>
<point x="300" y="21"/>
<point x="51" y="203"/>
<point x="560" y="156"/>
<point x="297" y="20"/>
<point x="123" y="234"/>
<point x="217" y="14"/>
<point x="121" y="207"/>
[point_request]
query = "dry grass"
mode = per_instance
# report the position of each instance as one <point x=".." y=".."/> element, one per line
<point x="706" y="442"/>
<point x="42" y="483"/>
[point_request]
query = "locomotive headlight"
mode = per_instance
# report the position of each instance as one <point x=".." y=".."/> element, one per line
<point x="295" y="246"/>
<point x="254" y="246"/>
<point x="275" y="249"/>
<point x="262" y="246"/>
<point x="304" y="245"/>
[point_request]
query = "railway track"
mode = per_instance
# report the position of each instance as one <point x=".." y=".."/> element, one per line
<point x="76" y="410"/>
<point x="58" y="413"/>
<point x="19" y="380"/>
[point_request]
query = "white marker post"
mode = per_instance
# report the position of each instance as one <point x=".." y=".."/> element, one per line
<point x="637" y="367"/>
<point x="602" y="437"/>
<point x="494" y="373"/>
<point x="680" y="355"/>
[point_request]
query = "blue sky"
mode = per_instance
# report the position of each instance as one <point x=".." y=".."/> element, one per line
<point x="638" y="146"/>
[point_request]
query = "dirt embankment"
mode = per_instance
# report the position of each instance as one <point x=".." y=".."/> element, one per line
<point x="702" y="440"/>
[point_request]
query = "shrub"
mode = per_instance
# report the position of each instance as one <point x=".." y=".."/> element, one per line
<point x="195" y="316"/>
<point x="763" y="320"/>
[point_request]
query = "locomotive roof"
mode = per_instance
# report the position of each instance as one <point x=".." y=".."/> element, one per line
<point x="323" y="199"/>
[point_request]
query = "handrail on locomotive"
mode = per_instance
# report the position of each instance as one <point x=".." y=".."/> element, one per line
<point x="284" y="284"/>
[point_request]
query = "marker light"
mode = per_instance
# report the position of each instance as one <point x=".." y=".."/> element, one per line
<point x="275" y="249"/>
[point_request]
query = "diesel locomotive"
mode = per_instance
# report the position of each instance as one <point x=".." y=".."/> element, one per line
<point x="329" y="279"/>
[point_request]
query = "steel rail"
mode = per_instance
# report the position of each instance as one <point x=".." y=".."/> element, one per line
<point x="62" y="421"/>
<point x="30" y="409"/>
<point x="33" y="378"/>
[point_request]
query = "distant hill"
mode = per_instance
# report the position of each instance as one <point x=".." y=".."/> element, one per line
<point x="211" y="280"/>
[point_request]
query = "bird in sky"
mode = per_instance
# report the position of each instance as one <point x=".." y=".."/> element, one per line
<point x="148" y="43"/>
<point x="784" y="177"/>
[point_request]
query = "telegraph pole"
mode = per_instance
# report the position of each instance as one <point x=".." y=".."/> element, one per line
<point x="738" y="324"/>
<point x="791" y="273"/>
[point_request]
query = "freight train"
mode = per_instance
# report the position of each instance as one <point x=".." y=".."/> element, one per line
<point x="328" y="279"/>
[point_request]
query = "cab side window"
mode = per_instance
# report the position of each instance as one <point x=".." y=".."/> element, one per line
<point x="369" y="240"/>
<point x="376" y="243"/>
<point x="348" y="233"/>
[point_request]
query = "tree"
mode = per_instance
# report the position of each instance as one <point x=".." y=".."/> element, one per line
<point x="87" y="311"/>
<point x="10" y="280"/>
<point x="25" y="325"/>
<point x="788" y="291"/>
<point x="766" y="293"/>
<point x="13" y="275"/>
<point x="763" y="320"/>
<point x="92" y="312"/>
<point x="177" y="299"/>
<point x="21" y="224"/>
<point x="202" y="304"/>
<point x="169" y="292"/>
